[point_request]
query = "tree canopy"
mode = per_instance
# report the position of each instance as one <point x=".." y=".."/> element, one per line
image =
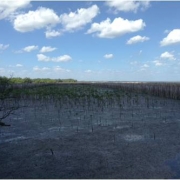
<point x="27" y="80"/>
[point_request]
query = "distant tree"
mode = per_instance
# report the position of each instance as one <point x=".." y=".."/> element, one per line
<point x="59" y="80"/>
<point x="36" y="80"/>
<point x="16" y="80"/>
<point x="27" y="80"/>
<point x="69" y="80"/>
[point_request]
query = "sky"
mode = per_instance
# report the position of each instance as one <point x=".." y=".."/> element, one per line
<point x="114" y="40"/>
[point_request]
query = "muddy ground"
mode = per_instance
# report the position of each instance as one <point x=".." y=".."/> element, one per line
<point x="136" y="141"/>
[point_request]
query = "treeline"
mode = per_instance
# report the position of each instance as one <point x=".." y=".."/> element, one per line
<point x="161" y="89"/>
<point x="18" y="80"/>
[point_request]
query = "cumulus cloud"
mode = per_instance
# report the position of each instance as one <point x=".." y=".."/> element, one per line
<point x="128" y="6"/>
<point x="30" y="48"/>
<point x="137" y="39"/>
<point x="3" y="47"/>
<point x="8" y="8"/>
<point x="76" y="20"/>
<point x="47" y="18"/>
<point x="45" y="49"/>
<point x="64" y="58"/>
<point x="119" y="27"/>
<point x="52" y="33"/>
<point x="161" y="60"/>
<point x="42" y="57"/>
<point x="108" y="56"/>
<point x="172" y="38"/>
<point x="167" y="55"/>
<point x="40" y="18"/>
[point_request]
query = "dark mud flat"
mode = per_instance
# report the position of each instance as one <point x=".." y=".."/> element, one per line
<point x="136" y="141"/>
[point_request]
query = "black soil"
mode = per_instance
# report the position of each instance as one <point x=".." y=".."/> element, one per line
<point x="71" y="140"/>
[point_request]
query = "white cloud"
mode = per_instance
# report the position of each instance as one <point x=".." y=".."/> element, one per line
<point x="59" y="69"/>
<point x="3" y="47"/>
<point x="158" y="63"/>
<point x="127" y="6"/>
<point x="172" y="38"/>
<point x="36" y="68"/>
<point x="52" y="33"/>
<point x="137" y="39"/>
<point x="56" y="69"/>
<point x="108" y="56"/>
<point x="64" y="58"/>
<point x="42" y="57"/>
<point x="45" y="17"/>
<point x="45" y="49"/>
<point x="38" y="19"/>
<point x="19" y="65"/>
<point x="167" y="55"/>
<point x="30" y="48"/>
<point x="8" y="8"/>
<point x="76" y="20"/>
<point x="26" y="49"/>
<point x="119" y="27"/>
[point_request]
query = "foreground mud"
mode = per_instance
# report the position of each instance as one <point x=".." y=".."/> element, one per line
<point x="69" y="140"/>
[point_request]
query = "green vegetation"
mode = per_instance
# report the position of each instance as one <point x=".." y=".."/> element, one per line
<point x="26" y="80"/>
<point x="14" y="91"/>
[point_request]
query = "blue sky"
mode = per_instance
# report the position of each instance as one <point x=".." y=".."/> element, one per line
<point x="98" y="40"/>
